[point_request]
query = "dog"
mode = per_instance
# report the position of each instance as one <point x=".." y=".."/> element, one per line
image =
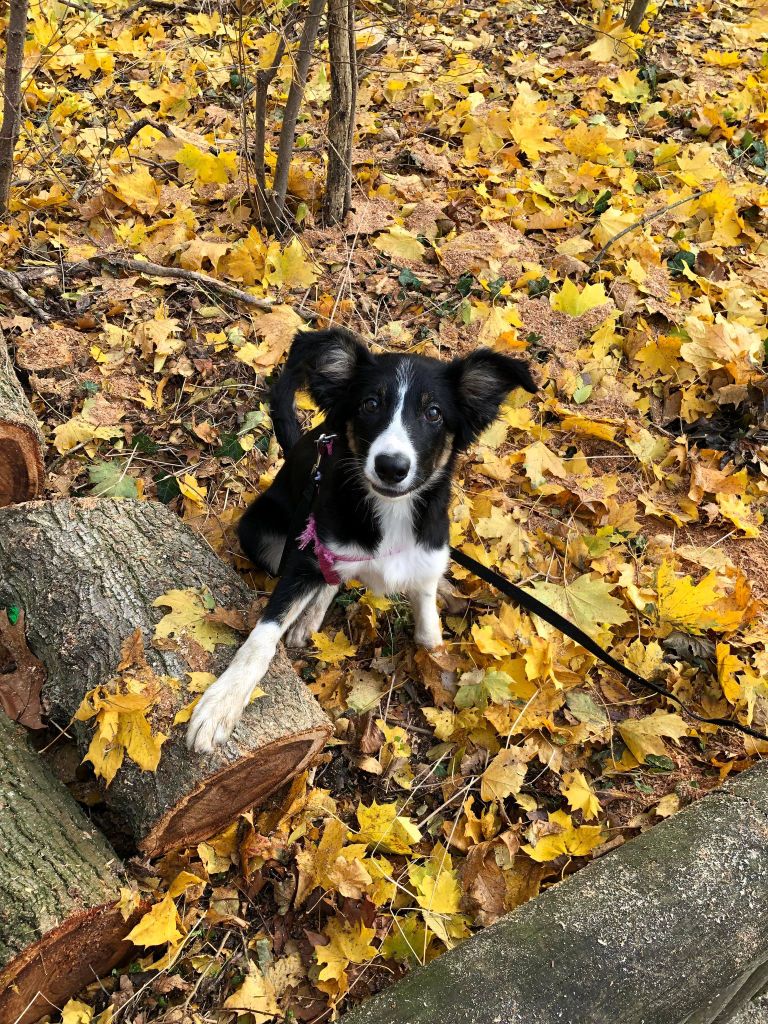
<point x="394" y="426"/>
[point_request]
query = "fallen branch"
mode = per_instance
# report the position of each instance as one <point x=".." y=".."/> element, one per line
<point x="178" y="273"/>
<point x="646" y="219"/>
<point x="10" y="282"/>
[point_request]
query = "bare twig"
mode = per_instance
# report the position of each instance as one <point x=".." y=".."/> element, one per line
<point x="10" y="282"/>
<point x="14" y="66"/>
<point x="646" y="219"/>
<point x="146" y="122"/>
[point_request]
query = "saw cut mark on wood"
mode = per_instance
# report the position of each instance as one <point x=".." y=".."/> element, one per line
<point x="86" y="572"/>
<point x="21" y="443"/>
<point x="60" y="925"/>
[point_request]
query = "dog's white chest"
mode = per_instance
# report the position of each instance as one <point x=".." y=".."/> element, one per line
<point x="400" y="564"/>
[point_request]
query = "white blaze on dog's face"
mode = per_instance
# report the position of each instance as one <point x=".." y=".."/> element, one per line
<point x="392" y="462"/>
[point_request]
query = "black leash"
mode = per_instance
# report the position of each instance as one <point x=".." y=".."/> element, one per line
<point x="525" y="600"/>
<point x="536" y="607"/>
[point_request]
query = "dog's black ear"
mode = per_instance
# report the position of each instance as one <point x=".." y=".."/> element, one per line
<point x="330" y="360"/>
<point x="482" y="381"/>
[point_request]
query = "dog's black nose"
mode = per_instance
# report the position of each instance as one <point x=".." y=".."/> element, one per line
<point x="391" y="469"/>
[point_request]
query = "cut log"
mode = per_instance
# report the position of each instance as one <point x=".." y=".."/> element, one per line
<point x="86" y="572"/>
<point x="60" y="926"/>
<point x="670" y="928"/>
<point x="21" y="443"/>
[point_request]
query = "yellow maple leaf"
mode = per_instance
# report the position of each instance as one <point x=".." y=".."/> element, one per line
<point x="399" y="243"/>
<point x="192" y="489"/>
<point x="644" y="736"/>
<point x="79" y="431"/>
<point x="578" y="792"/>
<point x="183" y="881"/>
<point x="139" y="190"/>
<point x="727" y="667"/>
<point x="735" y="508"/>
<point x="120" y="709"/>
<point x="278" y="328"/>
<point x="207" y="168"/>
<point x="527" y="124"/>
<point x="314" y="862"/>
<point x="256" y="995"/>
<point x="348" y="944"/>
<point x="159" y="925"/>
<point x="573" y="841"/>
<point x="488" y="641"/>
<point x="574" y="302"/>
<point x="75" y="1012"/>
<point x="626" y="88"/>
<point x="588" y="601"/>
<point x="381" y="827"/>
<point x="332" y="652"/>
<point x="504" y="775"/>
<point x="697" y="607"/>
<point x="539" y="460"/>
<point x="189" y="617"/>
<point x="291" y="268"/>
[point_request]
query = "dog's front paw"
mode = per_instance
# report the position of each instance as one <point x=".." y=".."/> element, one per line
<point x="214" y="719"/>
<point x="429" y="639"/>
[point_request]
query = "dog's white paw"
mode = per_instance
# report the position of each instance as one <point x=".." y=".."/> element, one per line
<point x="429" y="638"/>
<point x="214" y="719"/>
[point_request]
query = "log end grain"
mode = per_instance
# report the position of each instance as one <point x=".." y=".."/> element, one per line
<point x="63" y="962"/>
<point x="237" y="787"/>
<point x="21" y="464"/>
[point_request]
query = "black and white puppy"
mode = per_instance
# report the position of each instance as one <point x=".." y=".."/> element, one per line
<point x="380" y="514"/>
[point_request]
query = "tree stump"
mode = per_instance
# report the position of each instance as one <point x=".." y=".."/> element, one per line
<point x="21" y="443"/>
<point x="86" y="572"/>
<point x="59" y="886"/>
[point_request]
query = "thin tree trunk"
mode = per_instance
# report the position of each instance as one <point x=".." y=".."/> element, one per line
<point x="60" y="882"/>
<point x="291" y="111"/>
<point x="87" y="573"/>
<point x="353" y="104"/>
<point x="341" y="120"/>
<point x="636" y="15"/>
<point x="263" y="81"/>
<point x="14" y="65"/>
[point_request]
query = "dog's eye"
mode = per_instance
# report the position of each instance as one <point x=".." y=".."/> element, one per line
<point x="370" y="405"/>
<point x="432" y="414"/>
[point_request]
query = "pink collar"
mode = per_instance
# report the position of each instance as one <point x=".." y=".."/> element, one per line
<point x="328" y="559"/>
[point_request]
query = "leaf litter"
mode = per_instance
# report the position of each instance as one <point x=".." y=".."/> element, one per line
<point x="532" y="177"/>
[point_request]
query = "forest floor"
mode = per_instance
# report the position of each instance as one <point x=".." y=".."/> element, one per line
<point x="528" y="176"/>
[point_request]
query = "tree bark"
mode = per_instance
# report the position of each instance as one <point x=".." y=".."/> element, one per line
<point x="291" y="111"/>
<point x="86" y="572"/>
<point x="636" y="15"/>
<point x="671" y="928"/>
<point x="59" y="883"/>
<point x="263" y="80"/>
<point x="14" y="66"/>
<point x="21" y="443"/>
<point x="341" y="119"/>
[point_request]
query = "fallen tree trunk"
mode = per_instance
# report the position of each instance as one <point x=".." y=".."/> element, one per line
<point x="60" y="926"/>
<point x="86" y="573"/>
<point x="21" y="443"/>
<point x="671" y="928"/>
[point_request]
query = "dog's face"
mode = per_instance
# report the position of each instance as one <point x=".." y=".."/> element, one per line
<point x="405" y="416"/>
